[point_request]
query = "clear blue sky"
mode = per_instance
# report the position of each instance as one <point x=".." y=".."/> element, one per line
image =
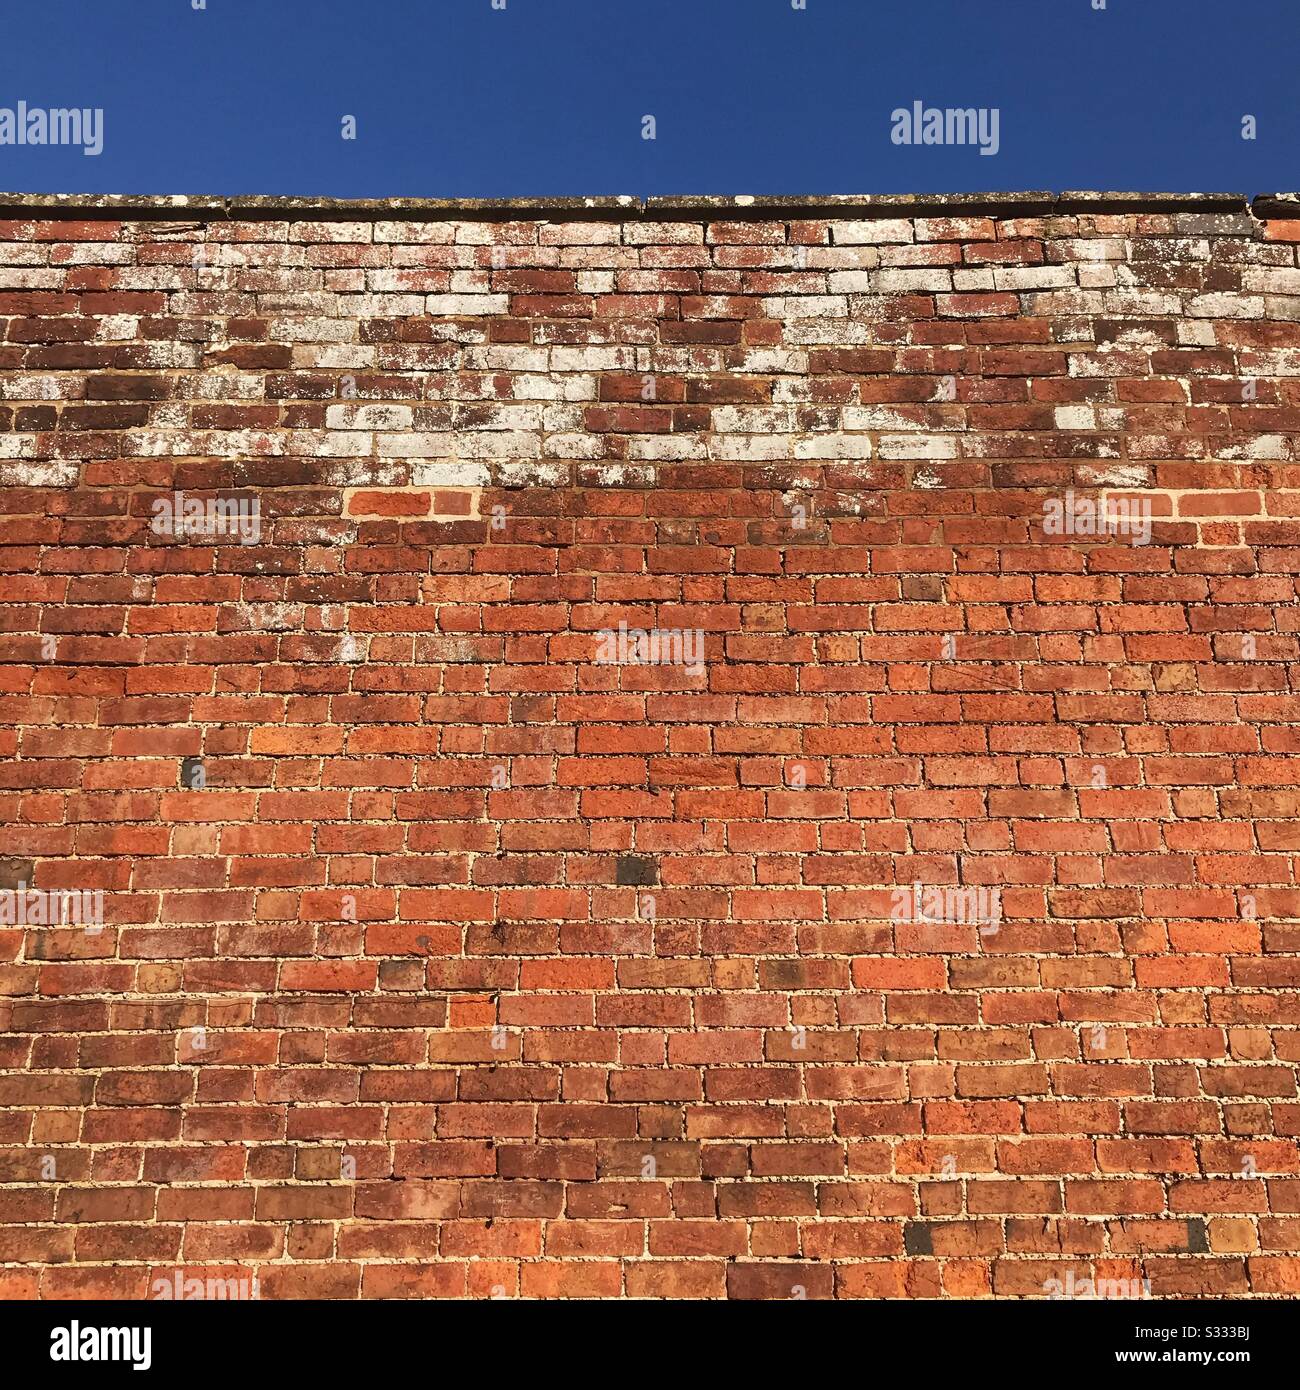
<point x="453" y="98"/>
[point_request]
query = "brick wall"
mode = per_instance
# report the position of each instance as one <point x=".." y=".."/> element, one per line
<point x="931" y="931"/>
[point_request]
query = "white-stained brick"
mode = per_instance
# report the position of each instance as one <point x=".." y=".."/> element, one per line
<point x="573" y="446"/>
<point x="812" y="306"/>
<point x="311" y="330"/>
<point x="96" y="253"/>
<point x="668" y="448"/>
<point x="841" y="257"/>
<point x="368" y="417"/>
<point x="1139" y="304"/>
<point x="1033" y="277"/>
<point x="1090" y="249"/>
<point x="465" y="305"/>
<point x="507" y="358"/>
<point x="595" y="281"/>
<point x="592" y="359"/>
<point x="577" y="388"/>
<point x="23" y="446"/>
<point x="509" y="416"/>
<point x="117" y="328"/>
<point x="365" y="473"/>
<point x="750" y="446"/>
<point x="918" y="446"/>
<point x="920" y="281"/>
<point x="24" y="386"/>
<point x="331" y="231"/>
<point x="423" y="233"/>
<point x="731" y="419"/>
<point x="872" y="232"/>
<point x="1226" y="306"/>
<point x="334" y="357"/>
<point x="557" y="419"/>
<point x="34" y="474"/>
<point x="336" y="444"/>
<point x="1196" y="334"/>
<point x="662" y="233"/>
<point x="417" y="445"/>
<point x="453" y="473"/>
<point x="877" y="417"/>
<point x="579" y="233"/>
<point x="21" y="253"/>
<point x="832" y="446"/>
<point x="497" y="446"/>
<point x="532" y="474"/>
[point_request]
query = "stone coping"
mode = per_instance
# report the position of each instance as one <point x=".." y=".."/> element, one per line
<point x="204" y="207"/>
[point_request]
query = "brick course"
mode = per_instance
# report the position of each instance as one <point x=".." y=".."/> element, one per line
<point x="475" y="964"/>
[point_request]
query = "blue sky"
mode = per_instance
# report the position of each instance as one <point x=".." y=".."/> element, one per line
<point x="453" y="98"/>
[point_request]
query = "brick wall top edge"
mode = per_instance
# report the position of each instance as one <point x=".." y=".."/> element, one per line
<point x="659" y="208"/>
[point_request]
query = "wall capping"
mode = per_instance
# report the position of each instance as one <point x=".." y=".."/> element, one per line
<point x="205" y="207"/>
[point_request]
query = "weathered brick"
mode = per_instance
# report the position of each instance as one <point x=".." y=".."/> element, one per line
<point x="918" y="907"/>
